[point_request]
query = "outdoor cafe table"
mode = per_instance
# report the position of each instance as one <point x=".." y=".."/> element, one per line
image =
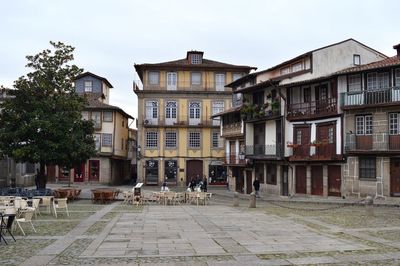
<point x="103" y="195"/>
<point x="6" y="214"/>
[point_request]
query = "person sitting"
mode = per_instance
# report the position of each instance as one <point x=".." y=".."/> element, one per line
<point x="164" y="187"/>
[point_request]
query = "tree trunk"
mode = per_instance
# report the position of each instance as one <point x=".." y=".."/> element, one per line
<point x="42" y="176"/>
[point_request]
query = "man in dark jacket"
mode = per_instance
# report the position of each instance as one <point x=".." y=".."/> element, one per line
<point x="256" y="185"/>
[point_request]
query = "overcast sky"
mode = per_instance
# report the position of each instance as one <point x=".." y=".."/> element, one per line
<point x="110" y="36"/>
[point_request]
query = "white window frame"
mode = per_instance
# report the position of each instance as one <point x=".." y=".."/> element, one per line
<point x="219" y="81"/>
<point x="88" y="85"/>
<point x="85" y="115"/>
<point x="151" y="139"/>
<point x="151" y="112"/>
<point x="216" y="141"/>
<point x="172" y="80"/>
<point x="194" y="112"/>
<point x="354" y="82"/>
<point x="194" y="139"/>
<point x="285" y="70"/>
<point x="108" y="118"/>
<point x="154" y="78"/>
<point x="195" y="78"/>
<point x="106" y="140"/>
<point x="298" y="66"/>
<point x="236" y="76"/>
<point x="364" y="125"/>
<point x="96" y="118"/>
<point x="397" y="77"/>
<point x="356" y="59"/>
<point x="171" y="139"/>
<point x="378" y="80"/>
<point x="217" y="107"/>
<point x="394" y="123"/>
<point x="195" y="59"/>
<point x="97" y="141"/>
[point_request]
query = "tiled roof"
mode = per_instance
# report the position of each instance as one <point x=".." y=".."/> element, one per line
<point x="230" y="110"/>
<point x="185" y="63"/>
<point x="95" y="103"/>
<point x="388" y="62"/>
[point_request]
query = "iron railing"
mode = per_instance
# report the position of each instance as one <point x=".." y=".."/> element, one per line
<point x="374" y="142"/>
<point x="312" y="109"/>
<point x="370" y="97"/>
<point x="271" y="150"/>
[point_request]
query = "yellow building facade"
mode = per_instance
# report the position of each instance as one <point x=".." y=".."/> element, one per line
<point x="178" y="139"/>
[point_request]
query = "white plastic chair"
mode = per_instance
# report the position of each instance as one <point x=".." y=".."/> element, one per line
<point x="25" y="216"/>
<point x="60" y="204"/>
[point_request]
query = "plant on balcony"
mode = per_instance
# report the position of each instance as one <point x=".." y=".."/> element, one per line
<point x="292" y="145"/>
<point x="246" y="111"/>
<point x="316" y="143"/>
<point x="275" y="105"/>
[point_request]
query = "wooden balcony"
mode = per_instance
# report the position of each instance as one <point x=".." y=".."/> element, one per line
<point x="373" y="144"/>
<point x="235" y="159"/>
<point x="232" y="130"/>
<point x="370" y="98"/>
<point x="311" y="110"/>
<point x="271" y="151"/>
<point x="315" y="152"/>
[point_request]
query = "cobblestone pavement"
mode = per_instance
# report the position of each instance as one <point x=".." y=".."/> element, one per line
<point x="216" y="234"/>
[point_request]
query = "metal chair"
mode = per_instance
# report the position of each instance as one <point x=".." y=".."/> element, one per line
<point x="60" y="204"/>
<point x="25" y="216"/>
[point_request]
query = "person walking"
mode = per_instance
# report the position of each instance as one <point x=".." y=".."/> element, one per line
<point x="256" y="185"/>
<point x="204" y="184"/>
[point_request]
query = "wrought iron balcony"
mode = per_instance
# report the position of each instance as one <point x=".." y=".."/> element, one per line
<point x="377" y="142"/>
<point x="366" y="98"/>
<point x="180" y="122"/>
<point x="265" y="151"/>
<point x="314" y="109"/>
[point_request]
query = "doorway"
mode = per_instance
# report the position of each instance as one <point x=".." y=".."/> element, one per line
<point x="79" y="173"/>
<point x="395" y="177"/>
<point x="334" y="180"/>
<point x="301" y="179"/>
<point x="284" y="180"/>
<point x="249" y="183"/>
<point x="194" y="169"/>
<point x="94" y="170"/>
<point x="317" y="186"/>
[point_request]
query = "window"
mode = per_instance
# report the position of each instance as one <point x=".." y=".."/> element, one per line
<point x="170" y="109"/>
<point x="194" y="139"/>
<point x="88" y="86"/>
<point x="297" y="67"/>
<point x="216" y="140"/>
<point x="397" y="77"/>
<point x="307" y="95"/>
<point x="194" y="110"/>
<point x="219" y="82"/>
<point x="107" y="140"/>
<point x="96" y="118"/>
<point x="298" y="136"/>
<point x="154" y="78"/>
<point x="367" y="167"/>
<point x="364" y="125"/>
<point x="331" y="136"/>
<point x="152" y="139"/>
<point x="217" y="107"/>
<point x="271" y="174"/>
<point x="96" y="141"/>
<point x="171" y="80"/>
<point x="393" y="123"/>
<point x="85" y="115"/>
<point x="356" y="59"/>
<point x="376" y="81"/>
<point x="151" y="110"/>
<point x="107" y="116"/>
<point x="285" y="70"/>
<point x="354" y="82"/>
<point x="151" y="172"/>
<point x="170" y="139"/>
<point x="236" y="76"/>
<point x="196" y="59"/>
<point x="171" y="170"/>
<point x="196" y="78"/>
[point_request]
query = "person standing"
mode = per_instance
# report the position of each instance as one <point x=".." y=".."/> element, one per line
<point x="256" y="185"/>
<point x="205" y="184"/>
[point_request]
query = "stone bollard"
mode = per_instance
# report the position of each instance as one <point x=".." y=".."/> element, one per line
<point x="369" y="206"/>
<point x="235" y="199"/>
<point x="252" y="200"/>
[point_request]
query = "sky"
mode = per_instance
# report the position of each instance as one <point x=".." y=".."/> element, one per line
<point x="110" y="36"/>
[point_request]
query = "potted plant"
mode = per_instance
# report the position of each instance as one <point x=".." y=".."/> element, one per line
<point x="275" y="106"/>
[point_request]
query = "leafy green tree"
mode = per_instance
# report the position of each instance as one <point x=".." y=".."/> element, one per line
<point x="42" y="121"/>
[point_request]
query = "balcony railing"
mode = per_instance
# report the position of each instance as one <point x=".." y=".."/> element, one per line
<point x="235" y="159"/>
<point x="299" y="111"/>
<point x="320" y="151"/>
<point x="180" y="122"/>
<point x="271" y="150"/>
<point x="370" y="97"/>
<point x="232" y="129"/>
<point x="372" y="143"/>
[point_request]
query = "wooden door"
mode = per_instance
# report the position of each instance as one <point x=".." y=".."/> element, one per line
<point x="334" y="180"/>
<point x="395" y="177"/>
<point x="233" y="159"/>
<point x="94" y="170"/>
<point x="317" y="185"/>
<point x="301" y="179"/>
<point x="326" y="134"/>
<point x="302" y="139"/>
<point x="194" y="169"/>
<point x="239" y="179"/>
<point x="249" y="183"/>
<point x="51" y="172"/>
<point x="79" y="173"/>
<point x="284" y="180"/>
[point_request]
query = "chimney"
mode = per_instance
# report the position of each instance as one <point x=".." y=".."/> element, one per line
<point x="397" y="47"/>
